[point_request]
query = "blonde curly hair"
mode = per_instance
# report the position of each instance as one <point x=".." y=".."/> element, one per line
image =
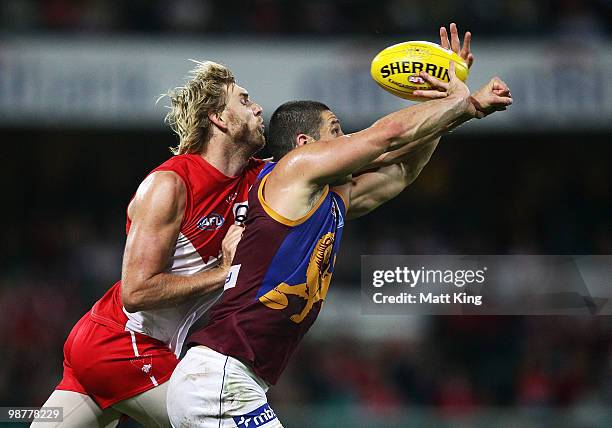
<point x="204" y="92"/>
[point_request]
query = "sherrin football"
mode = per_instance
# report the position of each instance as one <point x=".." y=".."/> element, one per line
<point x="396" y="69"/>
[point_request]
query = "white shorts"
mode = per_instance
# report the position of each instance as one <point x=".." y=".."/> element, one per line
<point x="212" y="390"/>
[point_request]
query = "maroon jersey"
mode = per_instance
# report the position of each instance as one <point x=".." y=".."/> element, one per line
<point x="276" y="286"/>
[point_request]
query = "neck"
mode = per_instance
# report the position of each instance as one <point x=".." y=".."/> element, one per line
<point x="225" y="155"/>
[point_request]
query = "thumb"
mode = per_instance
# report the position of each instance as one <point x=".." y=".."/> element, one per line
<point x="451" y="71"/>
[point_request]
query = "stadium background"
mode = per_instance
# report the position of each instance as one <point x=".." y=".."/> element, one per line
<point x="80" y="129"/>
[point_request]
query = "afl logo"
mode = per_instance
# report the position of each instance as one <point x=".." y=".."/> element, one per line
<point x="212" y="221"/>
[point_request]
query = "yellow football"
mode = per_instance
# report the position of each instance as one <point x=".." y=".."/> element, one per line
<point x="396" y="69"/>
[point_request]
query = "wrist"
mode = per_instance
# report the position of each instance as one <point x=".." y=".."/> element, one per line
<point x="222" y="272"/>
<point x="477" y="110"/>
<point x="464" y="106"/>
<point x="224" y="265"/>
<point x="472" y="108"/>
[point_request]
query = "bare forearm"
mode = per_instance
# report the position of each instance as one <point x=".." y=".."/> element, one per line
<point x="166" y="290"/>
<point x="425" y="121"/>
<point x="412" y="151"/>
<point x="324" y="162"/>
<point x="415" y="161"/>
<point x="376" y="187"/>
<point x="401" y="154"/>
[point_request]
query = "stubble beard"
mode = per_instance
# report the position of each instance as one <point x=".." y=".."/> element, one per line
<point x="253" y="138"/>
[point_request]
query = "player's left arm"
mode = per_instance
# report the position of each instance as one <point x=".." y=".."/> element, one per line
<point x="449" y="39"/>
<point x="369" y="190"/>
<point x="373" y="188"/>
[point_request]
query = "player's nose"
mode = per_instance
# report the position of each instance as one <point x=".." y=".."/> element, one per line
<point x="257" y="110"/>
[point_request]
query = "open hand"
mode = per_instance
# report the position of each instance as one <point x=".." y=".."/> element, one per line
<point x="440" y="89"/>
<point x="455" y="45"/>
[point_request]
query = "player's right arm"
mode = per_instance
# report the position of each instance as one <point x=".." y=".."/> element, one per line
<point x="293" y="185"/>
<point x="414" y="147"/>
<point x="156" y="213"/>
<point x="324" y="161"/>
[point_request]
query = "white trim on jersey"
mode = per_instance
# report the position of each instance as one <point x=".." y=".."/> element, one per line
<point x="171" y="325"/>
<point x="186" y="260"/>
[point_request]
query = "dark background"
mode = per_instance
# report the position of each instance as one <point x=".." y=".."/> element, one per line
<point x="65" y="191"/>
<point x="65" y="195"/>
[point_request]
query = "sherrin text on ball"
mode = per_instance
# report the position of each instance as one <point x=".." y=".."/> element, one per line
<point x="396" y="69"/>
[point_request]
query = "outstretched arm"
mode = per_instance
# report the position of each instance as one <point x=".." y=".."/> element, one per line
<point x="156" y="213"/>
<point x="367" y="191"/>
<point x="292" y="187"/>
<point x="464" y="51"/>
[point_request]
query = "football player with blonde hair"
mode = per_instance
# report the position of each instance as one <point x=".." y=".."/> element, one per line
<point x="183" y="225"/>
<point x="283" y="266"/>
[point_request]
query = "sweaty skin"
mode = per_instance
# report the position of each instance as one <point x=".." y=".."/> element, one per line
<point x="402" y="142"/>
<point x="157" y="210"/>
<point x="300" y="177"/>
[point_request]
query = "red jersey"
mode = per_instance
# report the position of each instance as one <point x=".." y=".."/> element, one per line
<point x="214" y="202"/>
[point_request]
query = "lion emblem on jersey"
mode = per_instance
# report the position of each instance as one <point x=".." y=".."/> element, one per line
<point x="318" y="277"/>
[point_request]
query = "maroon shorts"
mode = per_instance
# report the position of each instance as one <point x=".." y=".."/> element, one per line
<point x="110" y="365"/>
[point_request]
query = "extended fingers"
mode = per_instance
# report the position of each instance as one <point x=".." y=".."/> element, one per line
<point x="467" y="41"/>
<point x="435" y="83"/>
<point x="466" y="52"/>
<point x="444" y="42"/>
<point x="438" y="88"/>
<point x="455" y="43"/>
<point x="470" y="60"/>
<point x="430" y="94"/>
<point x="451" y="71"/>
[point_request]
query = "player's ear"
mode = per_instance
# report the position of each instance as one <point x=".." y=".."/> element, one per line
<point x="303" y="139"/>
<point x="217" y="120"/>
